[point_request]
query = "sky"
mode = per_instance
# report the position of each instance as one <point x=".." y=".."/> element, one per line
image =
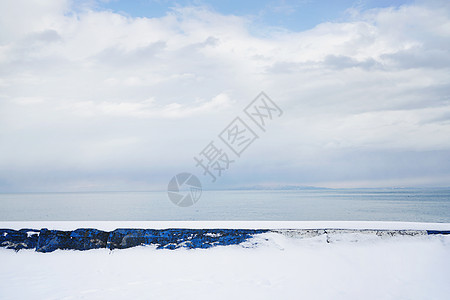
<point x="122" y="95"/>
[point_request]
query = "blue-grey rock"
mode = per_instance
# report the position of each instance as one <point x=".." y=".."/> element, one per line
<point x="177" y="238"/>
<point x="445" y="232"/>
<point x="18" y="239"/>
<point x="83" y="239"/>
<point x="80" y="239"/>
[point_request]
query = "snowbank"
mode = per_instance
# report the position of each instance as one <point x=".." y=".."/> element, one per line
<point x="292" y="260"/>
<point x="338" y="266"/>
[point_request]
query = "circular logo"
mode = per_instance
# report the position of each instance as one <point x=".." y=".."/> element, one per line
<point x="184" y="189"/>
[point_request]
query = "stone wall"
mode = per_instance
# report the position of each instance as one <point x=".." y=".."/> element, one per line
<point x="45" y="240"/>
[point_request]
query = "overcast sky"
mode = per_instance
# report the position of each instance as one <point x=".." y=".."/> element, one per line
<point x="110" y="95"/>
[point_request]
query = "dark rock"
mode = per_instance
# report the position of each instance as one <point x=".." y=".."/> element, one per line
<point x="18" y="239"/>
<point x="177" y="238"/>
<point x="80" y="239"/>
<point x="438" y="231"/>
<point x="83" y="239"/>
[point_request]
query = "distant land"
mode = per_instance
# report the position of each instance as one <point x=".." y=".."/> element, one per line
<point x="279" y="187"/>
<point x="306" y="188"/>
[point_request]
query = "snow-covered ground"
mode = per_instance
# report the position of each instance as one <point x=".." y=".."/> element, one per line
<point x="270" y="266"/>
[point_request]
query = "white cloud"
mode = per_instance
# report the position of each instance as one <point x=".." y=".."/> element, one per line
<point x="146" y="108"/>
<point x="76" y="83"/>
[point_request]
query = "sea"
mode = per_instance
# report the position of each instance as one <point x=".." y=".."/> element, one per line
<point x="409" y="205"/>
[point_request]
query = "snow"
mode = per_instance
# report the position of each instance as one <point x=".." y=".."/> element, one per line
<point x="30" y="233"/>
<point x="341" y="265"/>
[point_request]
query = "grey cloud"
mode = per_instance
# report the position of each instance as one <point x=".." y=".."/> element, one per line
<point x="46" y="36"/>
<point x="284" y="67"/>
<point x="116" y="56"/>
<point x="335" y="62"/>
<point x="350" y="165"/>
<point x="432" y="95"/>
<point x="210" y="41"/>
<point x="64" y="104"/>
<point x="419" y="58"/>
<point x="344" y="62"/>
<point x="439" y="118"/>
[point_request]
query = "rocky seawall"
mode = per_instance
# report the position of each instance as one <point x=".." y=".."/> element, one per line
<point x="45" y="240"/>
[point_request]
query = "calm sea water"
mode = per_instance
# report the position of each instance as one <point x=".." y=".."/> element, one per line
<point x="420" y="205"/>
